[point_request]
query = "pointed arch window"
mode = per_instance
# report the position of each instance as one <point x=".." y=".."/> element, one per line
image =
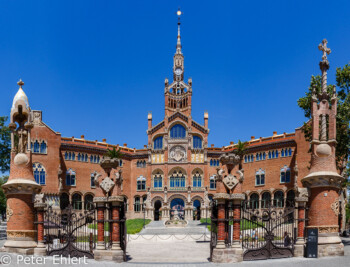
<point x="197" y="180"/>
<point x="79" y="157"/>
<point x="212" y="182"/>
<point x="260" y="177"/>
<point x="39" y="173"/>
<point x="137" y="204"/>
<point x="70" y="178"/>
<point x="66" y="155"/>
<point x="285" y="174"/>
<point x="43" y="149"/>
<point x="197" y="142"/>
<point x="158" y="142"/>
<point x="177" y="179"/>
<point x="76" y="201"/>
<point x="36" y="147"/>
<point x="141" y="183"/>
<point x="178" y="132"/>
<point x="157" y="180"/>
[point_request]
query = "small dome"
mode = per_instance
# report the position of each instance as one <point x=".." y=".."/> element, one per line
<point x="20" y="96"/>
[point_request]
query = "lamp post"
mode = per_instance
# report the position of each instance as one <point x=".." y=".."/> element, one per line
<point x="144" y="214"/>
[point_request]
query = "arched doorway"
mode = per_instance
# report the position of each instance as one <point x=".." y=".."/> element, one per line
<point x="179" y="205"/>
<point x="196" y="210"/>
<point x="64" y="201"/>
<point x="157" y="206"/>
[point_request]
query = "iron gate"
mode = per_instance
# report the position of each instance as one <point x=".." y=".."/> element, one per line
<point x="268" y="232"/>
<point x="69" y="232"/>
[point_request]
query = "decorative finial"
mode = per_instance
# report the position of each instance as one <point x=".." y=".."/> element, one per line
<point x="178" y="45"/>
<point x="20" y="83"/>
<point x="323" y="47"/>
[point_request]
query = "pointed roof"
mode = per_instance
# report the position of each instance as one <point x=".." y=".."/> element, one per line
<point x="20" y="95"/>
<point x="178" y="44"/>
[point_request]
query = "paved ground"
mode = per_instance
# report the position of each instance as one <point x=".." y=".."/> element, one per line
<point x="178" y="254"/>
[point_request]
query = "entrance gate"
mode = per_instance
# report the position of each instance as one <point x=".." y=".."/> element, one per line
<point x="70" y="233"/>
<point x="269" y="232"/>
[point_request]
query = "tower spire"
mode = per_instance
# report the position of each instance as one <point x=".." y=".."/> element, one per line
<point x="178" y="44"/>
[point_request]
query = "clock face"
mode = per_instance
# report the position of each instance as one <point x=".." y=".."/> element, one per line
<point x="178" y="71"/>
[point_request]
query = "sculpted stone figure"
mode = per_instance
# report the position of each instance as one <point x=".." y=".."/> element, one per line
<point x="39" y="198"/>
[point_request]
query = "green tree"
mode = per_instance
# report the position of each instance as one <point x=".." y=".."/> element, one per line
<point x="241" y="149"/>
<point x="3" y="180"/>
<point x="5" y="145"/>
<point x="343" y="114"/>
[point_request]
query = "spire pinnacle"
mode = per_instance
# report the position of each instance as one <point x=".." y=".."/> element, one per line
<point x="20" y="83"/>
<point x="178" y="45"/>
<point x="324" y="65"/>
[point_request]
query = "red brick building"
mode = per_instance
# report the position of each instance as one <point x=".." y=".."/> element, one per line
<point x="176" y="168"/>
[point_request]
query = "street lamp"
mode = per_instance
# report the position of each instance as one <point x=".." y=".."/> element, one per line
<point x="144" y="214"/>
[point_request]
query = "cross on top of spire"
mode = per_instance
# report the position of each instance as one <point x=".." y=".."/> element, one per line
<point x="323" y="47"/>
<point x="178" y="44"/>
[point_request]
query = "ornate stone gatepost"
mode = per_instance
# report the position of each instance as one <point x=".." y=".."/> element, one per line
<point x="109" y="186"/>
<point x="40" y="206"/>
<point x="21" y="184"/>
<point x="301" y="200"/>
<point x="229" y="188"/>
<point x="323" y="181"/>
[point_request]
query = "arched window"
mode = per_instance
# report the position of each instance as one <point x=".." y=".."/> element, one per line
<point x="92" y="180"/>
<point x="73" y="156"/>
<point x="66" y="155"/>
<point x="177" y="179"/>
<point x="197" y="180"/>
<point x="270" y="156"/>
<point x="76" y="201"/>
<point x="79" y="157"/>
<point x="36" y="147"/>
<point x="157" y="181"/>
<point x="178" y="132"/>
<point x="197" y="142"/>
<point x="91" y="158"/>
<point x="88" y="201"/>
<point x="141" y="183"/>
<point x="39" y="173"/>
<point x="70" y="155"/>
<point x="279" y="199"/>
<point x="70" y="177"/>
<point x="290" y="152"/>
<point x="264" y="155"/>
<point x="43" y="147"/>
<point x="212" y="182"/>
<point x="254" y="201"/>
<point x="265" y="200"/>
<point x="86" y="157"/>
<point x="282" y="153"/>
<point x="98" y="159"/>
<point x="158" y="143"/>
<point x="260" y="177"/>
<point x="285" y="174"/>
<point x="120" y="163"/>
<point x="64" y="201"/>
<point x="137" y="204"/>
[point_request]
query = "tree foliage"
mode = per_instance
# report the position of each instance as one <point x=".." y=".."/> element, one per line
<point x="343" y="113"/>
<point x="5" y="145"/>
<point x="3" y="180"/>
<point x="241" y="148"/>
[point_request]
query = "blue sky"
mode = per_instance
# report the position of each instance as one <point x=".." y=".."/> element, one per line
<point x="97" y="67"/>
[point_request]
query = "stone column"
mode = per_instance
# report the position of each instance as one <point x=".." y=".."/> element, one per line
<point x="116" y="202"/>
<point x="236" y="223"/>
<point x="221" y="225"/>
<point x="100" y="206"/>
<point x="300" y="244"/>
<point x="41" y="248"/>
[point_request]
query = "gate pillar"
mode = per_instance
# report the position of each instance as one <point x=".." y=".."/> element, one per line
<point x="41" y="248"/>
<point x="21" y="185"/>
<point x="324" y="182"/>
<point x="236" y="223"/>
<point x="117" y="252"/>
<point x="221" y="224"/>
<point x="100" y="206"/>
<point x="300" y="244"/>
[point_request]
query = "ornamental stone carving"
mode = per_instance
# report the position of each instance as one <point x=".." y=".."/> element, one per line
<point x="335" y="206"/>
<point x="230" y="181"/>
<point x="9" y="212"/>
<point x="39" y="198"/>
<point x="37" y="117"/>
<point x="107" y="184"/>
<point x="177" y="154"/>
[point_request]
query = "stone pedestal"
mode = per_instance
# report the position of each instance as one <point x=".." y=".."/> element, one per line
<point x="227" y="255"/>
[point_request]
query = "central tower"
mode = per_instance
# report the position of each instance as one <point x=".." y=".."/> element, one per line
<point x="178" y="93"/>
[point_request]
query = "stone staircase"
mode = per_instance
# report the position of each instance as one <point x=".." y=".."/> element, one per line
<point x="3" y="227"/>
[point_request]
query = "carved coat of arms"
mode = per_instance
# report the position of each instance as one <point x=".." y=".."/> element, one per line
<point x="178" y="153"/>
<point x="230" y="181"/>
<point x="107" y="184"/>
